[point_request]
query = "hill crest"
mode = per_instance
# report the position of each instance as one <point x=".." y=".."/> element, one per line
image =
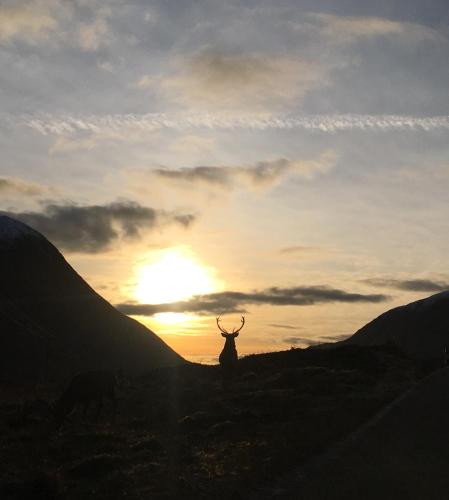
<point x="420" y="328"/>
<point x="54" y="324"/>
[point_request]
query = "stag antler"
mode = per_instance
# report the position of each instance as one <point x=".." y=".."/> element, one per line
<point x="243" y="322"/>
<point x="222" y="330"/>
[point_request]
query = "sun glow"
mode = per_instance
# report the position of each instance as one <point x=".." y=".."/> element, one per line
<point x="176" y="276"/>
<point x="171" y="318"/>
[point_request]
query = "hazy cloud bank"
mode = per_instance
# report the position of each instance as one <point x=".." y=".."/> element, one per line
<point x="41" y="22"/>
<point x="338" y="30"/>
<point x="262" y="174"/>
<point x="94" y="228"/>
<point x="217" y="79"/>
<point x="101" y="56"/>
<point x="231" y="302"/>
<point x="30" y="22"/>
<point x="416" y="285"/>
<point x="14" y="185"/>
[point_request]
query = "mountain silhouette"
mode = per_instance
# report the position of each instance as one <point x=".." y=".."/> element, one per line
<point x="420" y="329"/>
<point x="53" y="324"/>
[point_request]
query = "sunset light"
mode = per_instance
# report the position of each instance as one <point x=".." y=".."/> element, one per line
<point x="224" y="249"/>
<point x="171" y="318"/>
<point x="176" y="276"/>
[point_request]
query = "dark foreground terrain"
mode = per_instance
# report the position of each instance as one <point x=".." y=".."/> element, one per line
<point x="180" y="434"/>
<point x="401" y="454"/>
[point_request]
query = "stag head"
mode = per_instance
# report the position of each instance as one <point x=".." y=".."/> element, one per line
<point x="234" y="333"/>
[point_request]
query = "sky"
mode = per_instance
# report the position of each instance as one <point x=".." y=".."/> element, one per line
<point x="282" y="160"/>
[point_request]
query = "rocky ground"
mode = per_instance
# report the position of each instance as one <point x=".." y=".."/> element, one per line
<point x="180" y="434"/>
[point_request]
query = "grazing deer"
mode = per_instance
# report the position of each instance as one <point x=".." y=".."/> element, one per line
<point x="84" y="389"/>
<point x="228" y="357"/>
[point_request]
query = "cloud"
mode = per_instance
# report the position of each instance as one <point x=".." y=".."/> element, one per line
<point x="146" y="82"/>
<point x="300" y="340"/>
<point x="192" y="144"/>
<point x="68" y="145"/>
<point x="262" y="174"/>
<point x="306" y="252"/>
<point x="94" y="228"/>
<point x="307" y="54"/>
<point x="414" y="285"/>
<point x="334" y="338"/>
<point x="299" y="250"/>
<point x="347" y="29"/>
<point x="68" y="125"/>
<point x="231" y="302"/>
<point x="12" y="185"/>
<point x="107" y="66"/>
<point x="215" y="79"/>
<point x="285" y="327"/>
<point x="26" y="22"/>
<point x="93" y="34"/>
<point x="307" y="341"/>
<point x="65" y="23"/>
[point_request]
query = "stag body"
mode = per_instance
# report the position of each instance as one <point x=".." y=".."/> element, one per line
<point x="229" y="357"/>
<point x="84" y="389"/>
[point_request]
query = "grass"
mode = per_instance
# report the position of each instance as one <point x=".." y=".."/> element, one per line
<point x="180" y="434"/>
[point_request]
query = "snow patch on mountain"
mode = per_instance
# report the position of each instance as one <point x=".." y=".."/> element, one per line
<point x="12" y="230"/>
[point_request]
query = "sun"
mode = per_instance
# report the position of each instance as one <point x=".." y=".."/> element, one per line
<point x="174" y="277"/>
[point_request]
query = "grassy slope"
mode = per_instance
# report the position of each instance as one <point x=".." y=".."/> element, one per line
<point x="402" y="455"/>
<point x="179" y="433"/>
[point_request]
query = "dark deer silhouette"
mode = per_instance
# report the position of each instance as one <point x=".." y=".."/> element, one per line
<point x="229" y="357"/>
<point x="84" y="389"/>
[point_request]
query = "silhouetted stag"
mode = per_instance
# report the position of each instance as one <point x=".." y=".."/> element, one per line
<point x="228" y="357"/>
<point x="85" y="389"/>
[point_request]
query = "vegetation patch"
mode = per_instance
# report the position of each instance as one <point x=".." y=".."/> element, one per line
<point x="180" y="433"/>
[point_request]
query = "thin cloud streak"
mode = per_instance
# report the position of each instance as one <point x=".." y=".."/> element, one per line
<point x="299" y="250"/>
<point x="300" y="340"/>
<point x="285" y="327"/>
<point x="49" y="124"/>
<point x="308" y="341"/>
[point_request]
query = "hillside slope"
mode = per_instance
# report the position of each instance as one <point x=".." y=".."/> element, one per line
<point x="54" y="324"/>
<point x="401" y="455"/>
<point x="420" y="329"/>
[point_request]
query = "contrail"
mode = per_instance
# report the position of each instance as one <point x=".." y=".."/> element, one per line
<point x="49" y="124"/>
